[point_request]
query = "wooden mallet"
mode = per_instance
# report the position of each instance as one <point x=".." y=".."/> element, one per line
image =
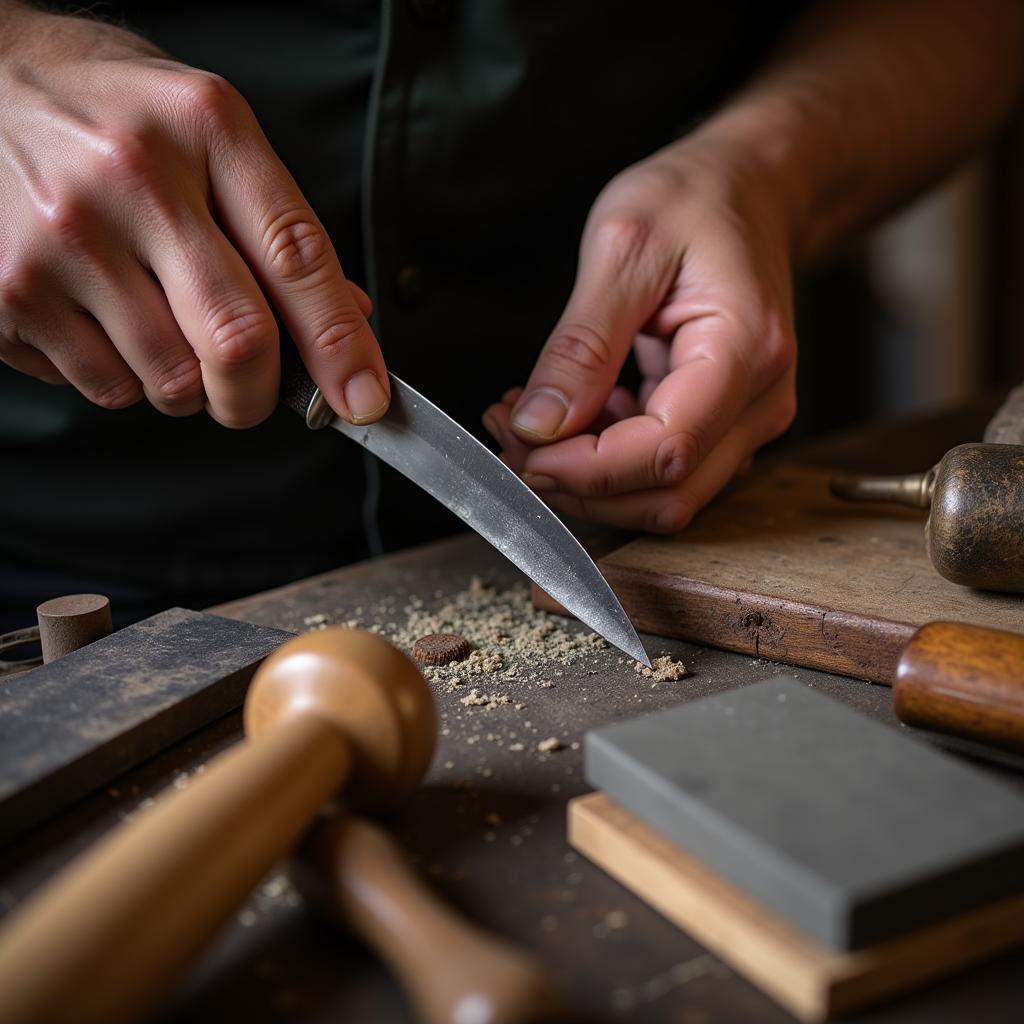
<point x="106" y="939"/>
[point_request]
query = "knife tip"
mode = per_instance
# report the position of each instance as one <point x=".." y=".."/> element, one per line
<point x="637" y="653"/>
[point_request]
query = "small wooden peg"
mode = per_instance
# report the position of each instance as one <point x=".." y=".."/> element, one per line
<point x="69" y="622"/>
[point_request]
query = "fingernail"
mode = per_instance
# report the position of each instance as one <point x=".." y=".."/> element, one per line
<point x="540" y="483"/>
<point x="364" y="396"/>
<point x="541" y="413"/>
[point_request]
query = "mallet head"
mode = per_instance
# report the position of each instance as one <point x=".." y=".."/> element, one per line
<point x="365" y="686"/>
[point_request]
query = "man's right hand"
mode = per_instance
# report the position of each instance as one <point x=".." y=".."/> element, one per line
<point x="149" y="228"/>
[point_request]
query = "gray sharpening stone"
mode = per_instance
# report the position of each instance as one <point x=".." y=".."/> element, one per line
<point x="68" y="727"/>
<point x="851" y="831"/>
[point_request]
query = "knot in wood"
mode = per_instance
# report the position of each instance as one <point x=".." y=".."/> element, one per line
<point x="755" y="620"/>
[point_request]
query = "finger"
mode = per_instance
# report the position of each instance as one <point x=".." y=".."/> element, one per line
<point x="647" y="388"/>
<point x="685" y="418"/>
<point x="744" y="468"/>
<point x="28" y="296"/>
<point x="223" y="315"/>
<point x="623" y="275"/>
<point x="652" y="355"/>
<point x="134" y="313"/>
<point x="621" y="404"/>
<point x="667" y="510"/>
<point x="363" y="300"/>
<point x="76" y="345"/>
<point x="513" y="451"/>
<point x="294" y="260"/>
<point x="27" y="360"/>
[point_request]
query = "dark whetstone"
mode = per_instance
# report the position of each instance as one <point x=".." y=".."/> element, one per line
<point x="69" y="727"/>
<point x="848" y="829"/>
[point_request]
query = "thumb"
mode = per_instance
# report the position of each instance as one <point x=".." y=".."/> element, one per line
<point x="618" y="287"/>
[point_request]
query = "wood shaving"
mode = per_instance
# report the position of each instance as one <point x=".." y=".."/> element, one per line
<point x="476" y="699"/>
<point x="662" y="670"/>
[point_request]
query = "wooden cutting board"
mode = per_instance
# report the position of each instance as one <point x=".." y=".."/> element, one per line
<point x="782" y="570"/>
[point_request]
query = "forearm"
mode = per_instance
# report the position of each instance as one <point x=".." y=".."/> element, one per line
<point x="29" y="33"/>
<point x="12" y="17"/>
<point x="868" y="102"/>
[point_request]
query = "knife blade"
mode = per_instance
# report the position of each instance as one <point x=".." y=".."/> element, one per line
<point x="426" y="445"/>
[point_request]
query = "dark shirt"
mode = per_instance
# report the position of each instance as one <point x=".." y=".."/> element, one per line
<point x="453" y="150"/>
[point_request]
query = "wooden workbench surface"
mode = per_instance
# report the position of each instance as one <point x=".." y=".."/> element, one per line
<point x="618" y="960"/>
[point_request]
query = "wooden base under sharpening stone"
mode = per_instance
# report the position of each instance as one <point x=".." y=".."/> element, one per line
<point x="811" y="982"/>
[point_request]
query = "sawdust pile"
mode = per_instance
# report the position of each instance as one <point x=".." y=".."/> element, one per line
<point x="512" y="642"/>
<point x="511" y="639"/>
<point x="662" y="670"/>
<point x="476" y="699"/>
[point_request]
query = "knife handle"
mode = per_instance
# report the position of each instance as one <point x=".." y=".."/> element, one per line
<point x="299" y="393"/>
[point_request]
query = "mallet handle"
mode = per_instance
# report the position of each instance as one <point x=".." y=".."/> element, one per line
<point x="965" y="681"/>
<point x="103" y="941"/>
<point x="357" y="874"/>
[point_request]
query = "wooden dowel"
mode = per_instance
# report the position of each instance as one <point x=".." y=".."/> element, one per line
<point x="70" y="622"/>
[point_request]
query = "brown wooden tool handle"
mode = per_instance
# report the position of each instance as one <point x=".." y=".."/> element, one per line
<point x="964" y="681"/>
<point x="110" y="934"/>
<point x="452" y="971"/>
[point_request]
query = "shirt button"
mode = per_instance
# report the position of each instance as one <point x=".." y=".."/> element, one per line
<point x="431" y="12"/>
<point x="409" y="285"/>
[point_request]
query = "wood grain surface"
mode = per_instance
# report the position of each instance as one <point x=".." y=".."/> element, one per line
<point x="780" y="569"/>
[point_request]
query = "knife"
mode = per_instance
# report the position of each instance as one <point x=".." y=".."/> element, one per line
<point x="425" y="444"/>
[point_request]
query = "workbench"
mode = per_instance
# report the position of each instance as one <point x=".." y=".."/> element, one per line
<point x="487" y="830"/>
